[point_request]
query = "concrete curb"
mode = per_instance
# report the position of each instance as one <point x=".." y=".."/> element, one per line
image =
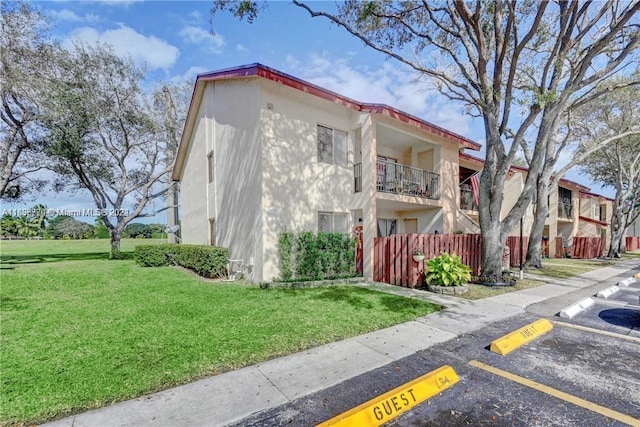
<point x="626" y="282"/>
<point x="606" y="293"/>
<point x="570" y="311"/>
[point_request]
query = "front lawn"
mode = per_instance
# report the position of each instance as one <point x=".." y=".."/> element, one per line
<point x="82" y="333"/>
<point x="563" y="268"/>
<point x="482" y="291"/>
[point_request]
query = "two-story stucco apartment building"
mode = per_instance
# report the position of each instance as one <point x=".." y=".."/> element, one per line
<point x="263" y="152"/>
<point x="573" y="209"/>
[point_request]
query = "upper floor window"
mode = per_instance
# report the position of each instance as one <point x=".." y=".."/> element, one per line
<point x="332" y="146"/>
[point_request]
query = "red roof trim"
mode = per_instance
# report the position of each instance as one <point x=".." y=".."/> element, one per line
<point x="480" y="162"/>
<point x="589" y="194"/>
<point x="304" y="86"/>
<point x="593" y="221"/>
<point x="563" y="181"/>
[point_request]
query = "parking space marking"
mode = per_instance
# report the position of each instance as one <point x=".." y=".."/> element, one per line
<point x="507" y="343"/>
<point x="597" y="331"/>
<point x="594" y="407"/>
<point x="383" y="408"/>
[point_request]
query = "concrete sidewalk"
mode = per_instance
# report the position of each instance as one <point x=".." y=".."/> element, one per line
<point x="233" y="396"/>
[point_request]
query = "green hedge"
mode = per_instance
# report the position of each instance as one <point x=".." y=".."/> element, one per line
<point x="206" y="261"/>
<point x="307" y="256"/>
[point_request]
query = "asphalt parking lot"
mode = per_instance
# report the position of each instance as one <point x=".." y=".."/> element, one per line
<point x="567" y="377"/>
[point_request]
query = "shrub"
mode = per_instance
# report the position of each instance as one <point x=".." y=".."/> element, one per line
<point x="307" y="256"/>
<point x="285" y="249"/>
<point x="447" y="270"/>
<point x="152" y="255"/>
<point x="206" y="261"/>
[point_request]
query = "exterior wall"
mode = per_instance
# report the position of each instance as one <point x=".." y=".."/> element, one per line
<point x="237" y="148"/>
<point x="295" y="185"/>
<point x="634" y="228"/>
<point x="193" y="191"/>
<point x="559" y="226"/>
<point x="449" y="171"/>
<point x="227" y="125"/>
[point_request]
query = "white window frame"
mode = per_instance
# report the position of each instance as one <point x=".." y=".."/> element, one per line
<point x="344" y="162"/>
<point x="336" y="218"/>
<point x="391" y="224"/>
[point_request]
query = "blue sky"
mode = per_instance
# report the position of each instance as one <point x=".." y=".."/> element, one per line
<point x="173" y="40"/>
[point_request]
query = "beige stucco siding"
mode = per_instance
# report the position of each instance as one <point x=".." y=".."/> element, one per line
<point x="295" y="185"/>
<point x="193" y="188"/>
<point x="237" y="152"/>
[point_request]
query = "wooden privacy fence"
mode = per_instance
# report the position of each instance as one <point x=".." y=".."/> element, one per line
<point x="632" y="243"/>
<point x="393" y="258"/>
<point x="588" y="247"/>
<point x="393" y="255"/>
<point x="513" y="242"/>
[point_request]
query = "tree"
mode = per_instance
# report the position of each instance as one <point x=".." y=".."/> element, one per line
<point x="71" y="227"/>
<point x="520" y="66"/>
<point x="618" y="166"/>
<point x="137" y="230"/>
<point x="611" y="117"/>
<point x="104" y="136"/>
<point x="27" y="58"/>
<point x="8" y="225"/>
<point x="40" y="215"/>
<point x="26" y="227"/>
<point x="100" y="231"/>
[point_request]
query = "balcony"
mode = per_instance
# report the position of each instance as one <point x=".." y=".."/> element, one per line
<point x="466" y="198"/>
<point x="565" y="210"/>
<point x="396" y="178"/>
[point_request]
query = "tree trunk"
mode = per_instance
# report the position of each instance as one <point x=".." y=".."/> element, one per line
<point x="492" y="249"/>
<point x="116" y="236"/>
<point x="534" y="250"/>
<point x="617" y="233"/>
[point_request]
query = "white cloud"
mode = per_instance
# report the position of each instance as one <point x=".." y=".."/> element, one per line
<point x="71" y="16"/>
<point x="189" y="75"/>
<point x="241" y="48"/>
<point x="149" y="50"/>
<point x="196" y="16"/>
<point x="125" y="3"/>
<point x="393" y="85"/>
<point x="196" y="35"/>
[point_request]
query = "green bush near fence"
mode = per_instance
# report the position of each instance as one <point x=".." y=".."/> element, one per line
<point x="206" y="261"/>
<point x="309" y="256"/>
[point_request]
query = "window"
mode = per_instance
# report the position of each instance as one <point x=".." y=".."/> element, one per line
<point x="332" y="146"/>
<point x="386" y="227"/>
<point x="332" y="222"/>
<point x="212" y="231"/>
<point x="210" y="167"/>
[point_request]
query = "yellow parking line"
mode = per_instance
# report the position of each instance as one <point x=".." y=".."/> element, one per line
<point x="597" y="331"/>
<point x="381" y="409"/>
<point x="558" y="394"/>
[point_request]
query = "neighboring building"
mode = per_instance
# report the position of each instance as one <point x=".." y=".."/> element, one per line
<point x="573" y="210"/>
<point x="596" y="212"/>
<point x="469" y="220"/>
<point x="634" y="228"/>
<point x="263" y="152"/>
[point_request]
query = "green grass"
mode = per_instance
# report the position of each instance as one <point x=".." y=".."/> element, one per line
<point x="37" y="251"/>
<point x="481" y="291"/>
<point x="82" y="333"/>
<point x="563" y="268"/>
